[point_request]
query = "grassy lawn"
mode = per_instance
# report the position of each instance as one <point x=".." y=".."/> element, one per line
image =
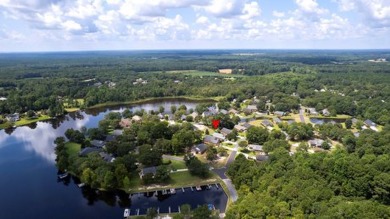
<point x="175" y="164"/>
<point x="69" y="110"/>
<point x="72" y="148"/>
<point x="203" y="73"/>
<point x="256" y="122"/>
<point x="181" y="179"/>
<point x="26" y="121"/>
<point x="331" y="117"/>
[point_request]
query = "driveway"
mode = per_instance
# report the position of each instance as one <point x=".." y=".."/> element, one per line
<point x="301" y="115"/>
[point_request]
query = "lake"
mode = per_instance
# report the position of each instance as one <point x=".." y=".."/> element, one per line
<point x="29" y="186"/>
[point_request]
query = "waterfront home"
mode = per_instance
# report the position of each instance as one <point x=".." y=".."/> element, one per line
<point x="136" y="118"/>
<point x="125" y="123"/>
<point x="13" y="117"/>
<point x="117" y="132"/>
<point x="316" y="142"/>
<point x="369" y="123"/>
<point x="3" y="99"/>
<point x="224" y="112"/>
<point x="312" y="111"/>
<point x="148" y="171"/>
<point x="325" y="112"/>
<point x="85" y="151"/>
<point x="200" y="148"/>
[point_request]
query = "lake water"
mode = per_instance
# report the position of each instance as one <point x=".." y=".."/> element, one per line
<point x="29" y="187"/>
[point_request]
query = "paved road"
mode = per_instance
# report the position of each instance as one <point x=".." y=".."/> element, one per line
<point x="172" y="157"/>
<point x="301" y="115"/>
<point x="232" y="190"/>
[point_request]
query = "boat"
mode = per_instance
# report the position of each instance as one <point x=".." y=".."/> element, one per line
<point x="173" y="191"/>
<point x="80" y="185"/>
<point x="198" y="188"/>
<point x="63" y="176"/>
<point x="126" y="214"/>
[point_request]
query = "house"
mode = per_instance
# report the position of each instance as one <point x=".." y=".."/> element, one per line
<point x="194" y="115"/>
<point x="325" y="112"/>
<point x="255" y="147"/>
<point x="251" y="108"/>
<point x="266" y="123"/>
<point x="183" y="117"/>
<point x="277" y="120"/>
<point x="219" y="136"/>
<point x="200" y="148"/>
<point x="354" y="121"/>
<point x="279" y="113"/>
<point x="224" y="112"/>
<point x="97" y="143"/>
<point x="312" y="111"/>
<point x="356" y="134"/>
<point x="246" y="125"/>
<point x="316" y="142"/>
<point x="107" y="157"/>
<point x="110" y="138"/>
<point x="233" y="111"/>
<point x="136" y="118"/>
<point x="225" y="131"/>
<point x="262" y="157"/>
<point x="13" y="117"/>
<point x="211" y="111"/>
<point x="148" y="171"/>
<point x="208" y="139"/>
<point x="369" y="123"/>
<point x="117" y="132"/>
<point x="3" y="99"/>
<point x="85" y="151"/>
<point x="125" y="123"/>
<point x="240" y="128"/>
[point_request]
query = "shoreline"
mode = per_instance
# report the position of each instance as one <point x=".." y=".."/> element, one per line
<point x="153" y="99"/>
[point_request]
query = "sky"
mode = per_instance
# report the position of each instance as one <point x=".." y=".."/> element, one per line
<point x="76" y="25"/>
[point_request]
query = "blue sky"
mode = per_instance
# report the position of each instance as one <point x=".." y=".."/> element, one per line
<point x="68" y="25"/>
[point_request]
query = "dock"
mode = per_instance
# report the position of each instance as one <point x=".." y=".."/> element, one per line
<point x="182" y="189"/>
<point x="198" y="188"/>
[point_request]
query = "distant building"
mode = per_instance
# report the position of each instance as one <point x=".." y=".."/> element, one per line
<point x="325" y="112"/>
<point x="3" y="99"/>
<point x="312" y="111"/>
<point x="251" y="108"/>
<point x="136" y="118"/>
<point x="277" y="120"/>
<point x="240" y="128"/>
<point x="266" y="123"/>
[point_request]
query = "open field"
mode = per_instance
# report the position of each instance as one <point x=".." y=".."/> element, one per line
<point x="26" y="121"/>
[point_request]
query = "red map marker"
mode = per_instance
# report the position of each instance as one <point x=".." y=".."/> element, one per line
<point x="216" y="123"/>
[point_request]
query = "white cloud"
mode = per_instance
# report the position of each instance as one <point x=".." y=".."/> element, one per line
<point x="310" y="6"/>
<point x="202" y="20"/>
<point x="278" y="14"/>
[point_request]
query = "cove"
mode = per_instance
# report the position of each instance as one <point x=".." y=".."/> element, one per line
<point x="29" y="186"/>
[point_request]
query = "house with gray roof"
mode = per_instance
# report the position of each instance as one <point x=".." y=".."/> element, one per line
<point x="106" y="157"/>
<point x="279" y="113"/>
<point x="200" y="148"/>
<point x="148" y="170"/>
<point x="255" y="147"/>
<point x="208" y="139"/>
<point x="240" y="128"/>
<point x="369" y="123"/>
<point x="262" y="157"/>
<point x="219" y="136"/>
<point x="85" y="151"/>
<point x="267" y="123"/>
<point x="225" y="131"/>
<point x="251" y="108"/>
<point x="97" y="143"/>
<point x="316" y="142"/>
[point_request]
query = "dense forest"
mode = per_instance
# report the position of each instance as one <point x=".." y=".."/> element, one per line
<point x="342" y="81"/>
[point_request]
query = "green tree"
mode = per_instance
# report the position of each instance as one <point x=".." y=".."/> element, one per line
<point x="257" y="135"/>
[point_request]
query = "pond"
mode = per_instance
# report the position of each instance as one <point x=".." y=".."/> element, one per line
<point x="318" y="121"/>
<point x="29" y="186"/>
